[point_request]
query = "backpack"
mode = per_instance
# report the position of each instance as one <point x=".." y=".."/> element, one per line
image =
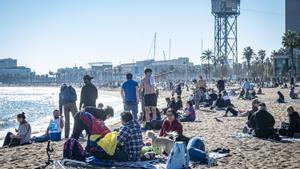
<point x="179" y="157"/>
<point x="73" y="150"/>
<point x="69" y="95"/>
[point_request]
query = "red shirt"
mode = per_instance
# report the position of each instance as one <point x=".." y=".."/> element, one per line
<point x="168" y="126"/>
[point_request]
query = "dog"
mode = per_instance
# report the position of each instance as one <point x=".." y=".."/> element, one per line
<point x="162" y="142"/>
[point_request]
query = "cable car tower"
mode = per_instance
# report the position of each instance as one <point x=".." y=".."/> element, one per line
<point x="225" y="40"/>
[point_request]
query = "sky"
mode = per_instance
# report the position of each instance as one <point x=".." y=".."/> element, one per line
<point x="49" y="34"/>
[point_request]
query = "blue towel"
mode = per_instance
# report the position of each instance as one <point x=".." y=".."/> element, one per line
<point x="109" y="163"/>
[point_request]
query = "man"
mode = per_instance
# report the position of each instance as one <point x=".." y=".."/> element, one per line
<point x="202" y="84"/>
<point x="221" y="85"/>
<point x="246" y="87"/>
<point x="67" y="99"/>
<point x="262" y="122"/>
<point x="130" y="141"/>
<point x="89" y="93"/>
<point x="147" y="86"/>
<point x="130" y="95"/>
<point x="54" y="129"/>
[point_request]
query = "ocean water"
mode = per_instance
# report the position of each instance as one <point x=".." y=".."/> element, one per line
<point x="38" y="103"/>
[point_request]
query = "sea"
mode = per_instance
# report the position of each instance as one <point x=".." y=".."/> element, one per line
<point x="38" y="104"/>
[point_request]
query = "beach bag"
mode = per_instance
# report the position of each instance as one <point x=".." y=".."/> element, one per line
<point x="73" y="150"/>
<point x="108" y="143"/>
<point x="179" y="157"/>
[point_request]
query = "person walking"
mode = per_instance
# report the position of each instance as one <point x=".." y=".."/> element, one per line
<point x="130" y="95"/>
<point x="67" y="101"/>
<point x="89" y="93"/>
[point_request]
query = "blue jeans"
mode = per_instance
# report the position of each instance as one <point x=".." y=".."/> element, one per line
<point x="41" y="139"/>
<point x="196" y="150"/>
<point x="132" y="107"/>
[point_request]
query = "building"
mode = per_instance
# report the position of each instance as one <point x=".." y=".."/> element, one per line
<point x="292" y="22"/>
<point x="8" y="63"/>
<point x="292" y="15"/>
<point x="282" y="62"/>
<point x="101" y="71"/>
<point x="10" y="72"/>
<point x="168" y="70"/>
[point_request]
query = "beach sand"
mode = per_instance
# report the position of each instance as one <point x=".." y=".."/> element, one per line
<point x="245" y="153"/>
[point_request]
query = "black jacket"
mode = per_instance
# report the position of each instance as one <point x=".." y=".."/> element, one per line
<point x="262" y="120"/>
<point x="294" y="123"/>
<point x="89" y="95"/>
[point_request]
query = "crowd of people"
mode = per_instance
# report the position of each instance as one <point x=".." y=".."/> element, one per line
<point x="128" y="143"/>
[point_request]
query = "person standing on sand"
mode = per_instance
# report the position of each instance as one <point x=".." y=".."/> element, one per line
<point x="130" y="95"/>
<point x="221" y="85"/>
<point x="148" y="87"/>
<point x="67" y="100"/>
<point x="89" y="93"/>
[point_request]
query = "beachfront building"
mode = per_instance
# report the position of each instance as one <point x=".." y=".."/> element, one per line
<point x="10" y="72"/>
<point x="180" y="69"/>
<point x="102" y="72"/>
<point x="70" y="75"/>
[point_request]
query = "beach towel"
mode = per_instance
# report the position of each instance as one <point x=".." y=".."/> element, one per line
<point x="109" y="163"/>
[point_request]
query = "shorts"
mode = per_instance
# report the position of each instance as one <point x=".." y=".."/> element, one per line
<point x="150" y="100"/>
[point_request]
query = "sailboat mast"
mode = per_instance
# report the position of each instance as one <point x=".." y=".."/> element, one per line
<point x="170" y="43"/>
<point x="154" y="46"/>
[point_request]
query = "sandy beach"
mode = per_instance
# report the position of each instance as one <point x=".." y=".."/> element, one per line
<point x="245" y="153"/>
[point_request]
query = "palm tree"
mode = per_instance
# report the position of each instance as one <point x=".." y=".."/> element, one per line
<point x="261" y="57"/>
<point x="291" y="40"/>
<point x="207" y="55"/>
<point x="248" y="55"/>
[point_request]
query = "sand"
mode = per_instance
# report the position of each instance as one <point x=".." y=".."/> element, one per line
<point x="245" y="153"/>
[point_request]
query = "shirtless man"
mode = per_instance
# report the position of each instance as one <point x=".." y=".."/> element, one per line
<point x="148" y="86"/>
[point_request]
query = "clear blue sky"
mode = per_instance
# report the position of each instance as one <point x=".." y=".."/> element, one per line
<point x="48" y="34"/>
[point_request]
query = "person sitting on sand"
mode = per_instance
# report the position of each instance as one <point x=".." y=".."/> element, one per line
<point x="179" y="103"/>
<point x="189" y="113"/>
<point x="212" y="97"/>
<point x="23" y="133"/>
<point x="262" y="122"/>
<point x="280" y="97"/>
<point x="289" y="129"/>
<point x="170" y="124"/>
<point x="259" y="91"/>
<point x="223" y="101"/>
<point x="292" y="93"/>
<point x="170" y="104"/>
<point x="130" y="141"/>
<point x="53" y="131"/>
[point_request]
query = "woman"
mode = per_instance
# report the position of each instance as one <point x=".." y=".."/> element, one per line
<point x="189" y="113"/>
<point x="23" y="133"/>
<point x="294" y="124"/>
<point x="280" y="97"/>
<point x="170" y="124"/>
